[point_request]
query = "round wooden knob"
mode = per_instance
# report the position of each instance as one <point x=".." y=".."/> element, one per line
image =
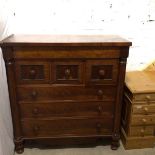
<point x="34" y="94"/>
<point x="145" y="110"/>
<point x="35" y="111"/>
<point x="99" y="108"/>
<point x="98" y="127"/>
<point x="32" y="72"/>
<point x="36" y="128"/>
<point x="67" y="72"/>
<point x="142" y="131"/>
<point x="148" y="98"/>
<point x="100" y="92"/>
<point x="101" y="72"/>
<point x="144" y="120"/>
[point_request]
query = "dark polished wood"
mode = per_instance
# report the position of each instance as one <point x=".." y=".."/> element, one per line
<point x="66" y="93"/>
<point x="63" y="127"/>
<point x="32" y="72"/>
<point x="64" y="40"/>
<point x="10" y="65"/>
<point x="66" y="109"/>
<point x="65" y="86"/>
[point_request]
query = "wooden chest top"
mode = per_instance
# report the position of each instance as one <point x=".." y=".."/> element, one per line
<point x="64" y="40"/>
<point x="140" y="81"/>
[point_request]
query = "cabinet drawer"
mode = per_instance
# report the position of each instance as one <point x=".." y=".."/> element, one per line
<point x="66" y="109"/>
<point x="141" y="131"/>
<point x="32" y="72"/>
<point x="67" y="127"/>
<point x="143" y="120"/>
<point x="68" y="72"/>
<point x="102" y="71"/>
<point x="144" y="109"/>
<point x="66" y="93"/>
<point x="147" y="97"/>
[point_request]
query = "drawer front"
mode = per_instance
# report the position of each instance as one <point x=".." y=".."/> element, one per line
<point x="147" y="97"/>
<point x="66" y="109"/>
<point x="32" y="72"/>
<point x="142" y="131"/>
<point x="67" y="127"/>
<point x="144" y="109"/>
<point x="68" y="72"/>
<point x="66" y="52"/>
<point x="143" y="120"/>
<point x="102" y="71"/>
<point x="72" y="93"/>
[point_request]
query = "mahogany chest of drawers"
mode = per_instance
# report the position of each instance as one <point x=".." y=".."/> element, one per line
<point x="138" y="114"/>
<point x="65" y="86"/>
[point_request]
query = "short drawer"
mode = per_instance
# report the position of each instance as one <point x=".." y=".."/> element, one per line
<point x="144" y="109"/>
<point x="66" y="93"/>
<point x="67" y="127"/>
<point x="143" y="120"/>
<point x="102" y="71"/>
<point x="141" y="131"/>
<point x="66" y="109"/>
<point x="68" y="72"/>
<point x="32" y="72"/>
<point x="147" y="97"/>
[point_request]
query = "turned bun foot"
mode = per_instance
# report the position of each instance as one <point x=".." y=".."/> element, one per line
<point x="19" y="145"/>
<point x="19" y="151"/>
<point x="115" y="141"/>
<point x="115" y="145"/>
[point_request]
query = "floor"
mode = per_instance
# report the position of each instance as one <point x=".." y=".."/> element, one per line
<point x="99" y="150"/>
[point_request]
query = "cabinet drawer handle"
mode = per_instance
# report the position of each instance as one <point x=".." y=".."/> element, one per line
<point x="100" y="93"/>
<point x="36" y="128"/>
<point x="145" y="110"/>
<point x="67" y="73"/>
<point x="142" y="132"/>
<point x="101" y="72"/>
<point x="148" y="98"/>
<point x="99" y="109"/>
<point x="32" y="72"/>
<point x="35" y="111"/>
<point x="144" y="120"/>
<point x="34" y="94"/>
<point x="98" y="127"/>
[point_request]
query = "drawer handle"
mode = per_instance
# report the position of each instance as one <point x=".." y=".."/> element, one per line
<point x="101" y="72"/>
<point x="148" y="98"/>
<point x="142" y="132"/>
<point x="144" y="120"/>
<point x="32" y="72"/>
<point x="98" y="127"/>
<point x="36" y="128"/>
<point x="35" y="111"/>
<point x="34" y="94"/>
<point x="145" y="110"/>
<point x="67" y="73"/>
<point x="99" y="109"/>
<point x="100" y="93"/>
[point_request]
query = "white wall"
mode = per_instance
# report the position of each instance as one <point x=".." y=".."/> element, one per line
<point x="128" y="18"/>
<point x="6" y="130"/>
<point x="6" y="18"/>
